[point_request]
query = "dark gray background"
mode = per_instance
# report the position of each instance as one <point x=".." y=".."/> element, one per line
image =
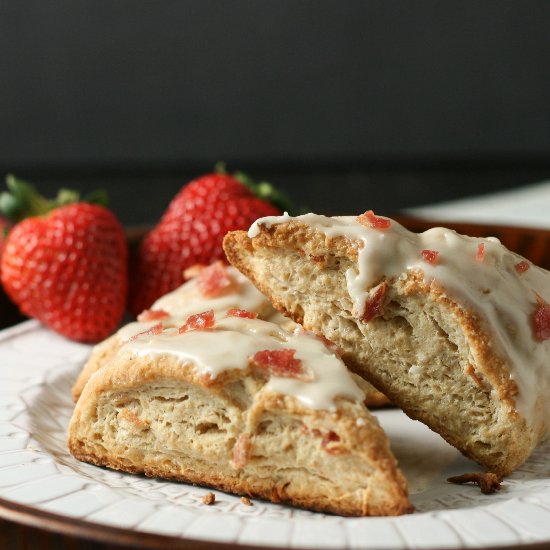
<point x="348" y="105"/>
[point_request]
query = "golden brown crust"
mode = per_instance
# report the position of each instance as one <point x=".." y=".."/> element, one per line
<point x="160" y="417"/>
<point x="302" y="271"/>
<point x="100" y="355"/>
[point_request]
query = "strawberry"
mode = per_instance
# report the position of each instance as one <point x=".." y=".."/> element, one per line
<point x="66" y="265"/>
<point x="191" y="231"/>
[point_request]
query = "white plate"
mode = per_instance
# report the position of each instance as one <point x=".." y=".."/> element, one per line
<point x="37" y="370"/>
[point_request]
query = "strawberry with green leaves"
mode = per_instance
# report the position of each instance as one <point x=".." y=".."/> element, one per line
<point x="64" y="262"/>
<point x="191" y="230"/>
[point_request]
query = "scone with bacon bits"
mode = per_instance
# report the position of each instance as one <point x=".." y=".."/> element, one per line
<point x="239" y="404"/>
<point x="453" y="329"/>
<point x="218" y="287"/>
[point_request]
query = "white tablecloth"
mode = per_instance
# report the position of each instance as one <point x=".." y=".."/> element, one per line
<point x="527" y="206"/>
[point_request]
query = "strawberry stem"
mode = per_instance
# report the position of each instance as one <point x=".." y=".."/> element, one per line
<point x="267" y="192"/>
<point x="22" y="200"/>
<point x="220" y="167"/>
<point x="67" y="196"/>
<point x="99" y="197"/>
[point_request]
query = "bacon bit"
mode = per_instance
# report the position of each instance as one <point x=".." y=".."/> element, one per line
<point x="199" y="321"/>
<point x="368" y="219"/>
<point x="214" y="279"/>
<point x="133" y="418"/>
<point x="374" y="303"/>
<point x="541" y="319"/>
<point x="522" y="266"/>
<point x="152" y="315"/>
<point x="316" y="432"/>
<point x="193" y="271"/>
<point x="246" y="501"/>
<point x="209" y="499"/>
<point x="280" y="363"/>
<point x="242" y="313"/>
<point x="155" y="329"/>
<point x="331" y="444"/>
<point x="431" y="256"/>
<point x="241" y="451"/>
<point x="480" y="256"/>
<point x="488" y="482"/>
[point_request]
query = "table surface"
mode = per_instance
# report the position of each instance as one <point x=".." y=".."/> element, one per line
<point x="535" y="245"/>
<point x="15" y="536"/>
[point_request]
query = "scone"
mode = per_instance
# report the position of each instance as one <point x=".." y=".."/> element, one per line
<point x="453" y="329"/>
<point x="242" y="405"/>
<point x="218" y="287"/>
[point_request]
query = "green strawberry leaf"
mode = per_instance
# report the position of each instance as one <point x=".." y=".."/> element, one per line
<point x="99" y="197"/>
<point x="267" y="192"/>
<point x="22" y="200"/>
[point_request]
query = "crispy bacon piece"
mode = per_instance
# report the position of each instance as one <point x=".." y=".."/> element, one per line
<point x="155" y="329"/>
<point x="280" y="362"/>
<point x="209" y="499"/>
<point x="241" y="451"/>
<point x="488" y="481"/>
<point x="214" y="280"/>
<point x="368" y="219"/>
<point x="541" y="319"/>
<point x="523" y="266"/>
<point x="199" y="321"/>
<point x="431" y="256"/>
<point x="242" y="313"/>
<point x="480" y="256"/>
<point x="133" y="418"/>
<point x="331" y="444"/>
<point x="374" y="303"/>
<point x="152" y="315"/>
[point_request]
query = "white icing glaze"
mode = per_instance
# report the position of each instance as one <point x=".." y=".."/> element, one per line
<point x="267" y="222"/>
<point x="503" y="299"/>
<point x="187" y="300"/>
<point x="131" y="329"/>
<point x="183" y="301"/>
<point x="234" y="340"/>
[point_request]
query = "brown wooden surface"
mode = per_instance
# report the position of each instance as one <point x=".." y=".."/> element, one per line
<point x="534" y="244"/>
<point x="25" y="529"/>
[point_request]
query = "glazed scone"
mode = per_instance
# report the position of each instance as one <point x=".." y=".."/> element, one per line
<point x="373" y="397"/>
<point x="216" y="287"/>
<point x="243" y="406"/>
<point x="452" y="329"/>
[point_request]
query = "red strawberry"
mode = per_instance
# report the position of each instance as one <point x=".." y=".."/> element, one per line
<point x="68" y="269"/>
<point x="191" y="231"/>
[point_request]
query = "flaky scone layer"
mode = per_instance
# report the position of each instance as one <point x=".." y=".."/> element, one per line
<point x="158" y="416"/>
<point x="103" y="352"/>
<point x="431" y="356"/>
